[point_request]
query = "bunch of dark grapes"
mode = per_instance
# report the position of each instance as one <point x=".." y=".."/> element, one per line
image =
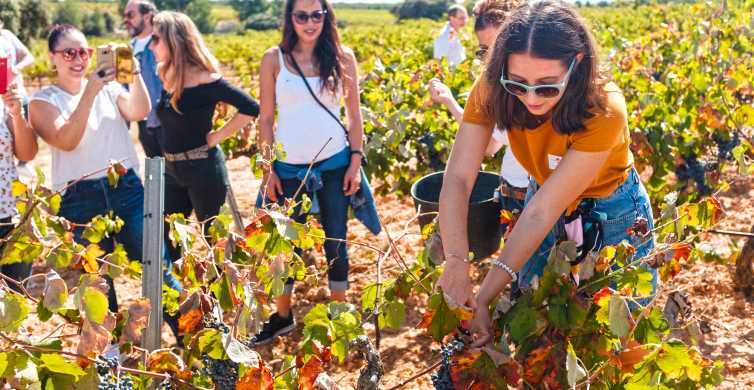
<point x="108" y="378"/>
<point x="441" y="379"/>
<point x="694" y="170"/>
<point x="224" y="373"/>
<point x="433" y="155"/>
<point x="210" y="322"/>
<point x="725" y="147"/>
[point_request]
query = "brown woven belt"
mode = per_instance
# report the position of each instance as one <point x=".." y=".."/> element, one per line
<point x="510" y="191"/>
<point x="199" y="153"/>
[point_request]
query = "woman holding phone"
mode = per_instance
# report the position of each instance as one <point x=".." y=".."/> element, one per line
<point x="84" y="120"/>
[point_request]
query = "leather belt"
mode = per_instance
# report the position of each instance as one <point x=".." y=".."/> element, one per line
<point x="199" y="153"/>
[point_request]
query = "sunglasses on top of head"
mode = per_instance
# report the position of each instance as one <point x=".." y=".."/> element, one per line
<point x="70" y="54"/>
<point x="302" y="17"/>
<point x="543" y="90"/>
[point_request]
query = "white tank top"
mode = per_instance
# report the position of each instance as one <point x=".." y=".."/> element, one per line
<point x="105" y="137"/>
<point x="303" y="125"/>
<point x="511" y="170"/>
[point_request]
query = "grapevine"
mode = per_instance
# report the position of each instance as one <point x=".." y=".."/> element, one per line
<point x="685" y="71"/>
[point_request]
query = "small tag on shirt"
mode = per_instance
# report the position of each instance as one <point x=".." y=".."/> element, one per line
<point x="553" y="161"/>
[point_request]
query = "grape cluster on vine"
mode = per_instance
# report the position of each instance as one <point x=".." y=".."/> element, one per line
<point x="210" y="322"/>
<point x="224" y="373"/>
<point x="693" y="169"/>
<point x="441" y="379"/>
<point x="108" y="376"/>
<point x="725" y="147"/>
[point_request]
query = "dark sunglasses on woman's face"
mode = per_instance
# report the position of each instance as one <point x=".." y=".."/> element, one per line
<point x="71" y="53"/>
<point x="302" y="17"/>
<point x="155" y="39"/>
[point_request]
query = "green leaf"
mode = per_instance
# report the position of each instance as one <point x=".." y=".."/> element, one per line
<point x="618" y="316"/>
<point x="170" y="299"/>
<point x="673" y="358"/>
<point x="393" y="314"/>
<point x="43" y="314"/>
<point x="368" y="297"/>
<point x="56" y="363"/>
<point x="210" y="342"/>
<point x="290" y="379"/>
<point x="94" y="303"/>
<point x="444" y="321"/>
<point x="337" y="308"/>
<point x="133" y="270"/>
<point x="3" y="363"/>
<point x="221" y="289"/>
<point x="306" y="204"/>
<point x="54" y="202"/>
<point x="13" y="311"/>
<point x="523" y="322"/>
<point x="61" y="258"/>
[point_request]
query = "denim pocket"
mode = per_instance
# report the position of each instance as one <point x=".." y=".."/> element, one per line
<point x="615" y="230"/>
<point x="130" y="180"/>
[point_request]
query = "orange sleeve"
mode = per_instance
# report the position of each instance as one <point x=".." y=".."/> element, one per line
<point x="474" y="111"/>
<point x="606" y="130"/>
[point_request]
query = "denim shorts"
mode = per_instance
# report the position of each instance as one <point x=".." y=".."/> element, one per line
<point x="628" y="202"/>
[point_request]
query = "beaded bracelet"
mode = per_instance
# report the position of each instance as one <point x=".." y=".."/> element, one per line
<point x="506" y="268"/>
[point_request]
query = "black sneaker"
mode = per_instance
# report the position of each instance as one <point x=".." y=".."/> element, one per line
<point x="274" y="327"/>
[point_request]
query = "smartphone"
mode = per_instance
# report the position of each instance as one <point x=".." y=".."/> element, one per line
<point x="4" y="75"/>
<point x="118" y="57"/>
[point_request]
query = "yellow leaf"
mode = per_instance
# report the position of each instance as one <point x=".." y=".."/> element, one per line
<point x="18" y="188"/>
<point x="92" y="253"/>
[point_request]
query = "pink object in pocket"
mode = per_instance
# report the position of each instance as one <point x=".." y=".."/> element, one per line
<point x="575" y="231"/>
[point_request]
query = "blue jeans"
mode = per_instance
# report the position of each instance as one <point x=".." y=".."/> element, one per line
<point x="89" y="198"/>
<point x="333" y="215"/>
<point x="628" y="202"/>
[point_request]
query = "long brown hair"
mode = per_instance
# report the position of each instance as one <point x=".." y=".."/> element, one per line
<point x="492" y="13"/>
<point x="327" y="52"/>
<point x="548" y="30"/>
<point x="186" y="49"/>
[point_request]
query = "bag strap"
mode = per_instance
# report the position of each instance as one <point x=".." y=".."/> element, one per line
<point x="311" y="92"/>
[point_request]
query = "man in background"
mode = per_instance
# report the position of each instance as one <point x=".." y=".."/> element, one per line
<point x="448" y="44"/>
<point x="137" y="18"/>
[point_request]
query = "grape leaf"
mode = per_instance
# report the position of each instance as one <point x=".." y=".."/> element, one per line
<point x="13" y="311"/>
<point x="618" y="316"/>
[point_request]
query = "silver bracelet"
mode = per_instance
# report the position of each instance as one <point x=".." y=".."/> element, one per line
<point x="506" y="268"/>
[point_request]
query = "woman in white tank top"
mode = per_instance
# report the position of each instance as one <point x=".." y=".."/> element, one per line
<point x="308" y="133"/>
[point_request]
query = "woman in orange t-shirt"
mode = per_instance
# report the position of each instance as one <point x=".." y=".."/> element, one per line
<point x="568" y="129"/>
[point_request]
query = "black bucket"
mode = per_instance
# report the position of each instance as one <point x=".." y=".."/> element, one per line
<point x="484" y="210"/>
